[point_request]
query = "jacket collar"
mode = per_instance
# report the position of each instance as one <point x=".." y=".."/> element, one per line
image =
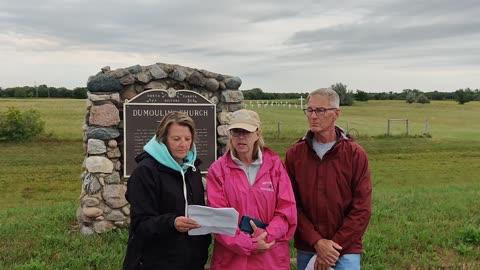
<point x="339" y="133"/>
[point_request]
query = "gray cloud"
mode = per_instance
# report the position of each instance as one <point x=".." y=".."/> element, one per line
<point x="266" y="42"/>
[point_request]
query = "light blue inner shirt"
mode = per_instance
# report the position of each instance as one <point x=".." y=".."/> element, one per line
<point x="321" y="148"/>
<point x="252" y="170"/>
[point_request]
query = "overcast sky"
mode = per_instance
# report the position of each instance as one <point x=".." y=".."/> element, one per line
<point x="275" y="45"/>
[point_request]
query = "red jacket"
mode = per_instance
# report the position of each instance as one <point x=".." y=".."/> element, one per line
<point x="333" y="194"/>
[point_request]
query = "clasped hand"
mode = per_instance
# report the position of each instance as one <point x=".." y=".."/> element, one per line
<point x="262" y="245"/>
<point x="327" y="254"/>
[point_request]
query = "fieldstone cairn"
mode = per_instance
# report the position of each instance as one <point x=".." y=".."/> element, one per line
<point x="103" y="206"/>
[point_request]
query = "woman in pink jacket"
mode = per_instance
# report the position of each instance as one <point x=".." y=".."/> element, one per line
<point x="252" y="179"/>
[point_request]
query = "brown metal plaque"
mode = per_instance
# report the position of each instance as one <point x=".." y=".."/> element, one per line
<point x="144" y="112"/>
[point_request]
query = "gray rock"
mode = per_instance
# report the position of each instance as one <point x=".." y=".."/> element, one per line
<point x="126" y="210"/>
<point x="213" y="75"/>
<point x="89" y="201"/>
<point x="232" y="96"/>
<point x="113" y="178"/>
<point x="233" y="82"/>
<point x="221" y="106"/>
<point x="127" y="80"/>
<point x="214" y="100"/>
<point x="222" y="86"/>
<point x="104" y="83"/>
<point x="135" y="69"/>
<point x="102" y="226"/>
<point x="96" y="147"/>
<point x="115" y="215"/>
<point x="118" y="166"/>
<point x="113" y="153"/>
<point x="166" y="67"/>
<point x="115" y="97"/>
<point x="114" y="195"/>
<point x="128" y="93"/>
<point x="106" y="69"/>
<point x="197" y="79"/>
<point x="157" y="73"/>
<point x="96" y="164"/>
<point x="118" y="73"/>
<point x="234" y="107"/>
<point x="222" y="130"/>
<point x="90" y="184"/>
<point x="156" y="85"/>
<point x="178" y="74"/>
<point x="224" y="117"/>
<point x="212" y="85"/>
<point x="102" y="133"/>
<point x="143" y="77"/>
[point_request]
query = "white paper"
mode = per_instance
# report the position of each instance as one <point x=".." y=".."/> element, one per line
<point x="311" y="263"/>
<point x="213" y="220"/>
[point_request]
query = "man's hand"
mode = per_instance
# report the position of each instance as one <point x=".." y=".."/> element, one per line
<point x="262" y="246"/>
<point x="327" y="253"/>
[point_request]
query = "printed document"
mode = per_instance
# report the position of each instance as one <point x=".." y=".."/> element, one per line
<point x="213" y="220"/>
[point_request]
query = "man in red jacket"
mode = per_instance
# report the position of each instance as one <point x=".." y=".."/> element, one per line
<point x="331" y="181"/>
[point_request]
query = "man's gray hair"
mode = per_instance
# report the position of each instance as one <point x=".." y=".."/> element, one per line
<point x="333" y="97"/>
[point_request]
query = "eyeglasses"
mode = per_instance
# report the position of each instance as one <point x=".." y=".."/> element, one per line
<point x="318" y="111"/>
<point x="237" y="132"/>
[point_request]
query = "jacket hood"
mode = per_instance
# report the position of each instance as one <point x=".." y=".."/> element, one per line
<point x="159" y="152"/>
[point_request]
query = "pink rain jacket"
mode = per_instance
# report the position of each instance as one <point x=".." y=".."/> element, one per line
<point x="270" y="200"/>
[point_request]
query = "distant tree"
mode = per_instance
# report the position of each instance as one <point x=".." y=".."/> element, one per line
<point x="463" y="96"/>
<point x="79" y="92"/>
<point x="361" y="95"/>
<point x="43" y="91"/>
<point x="20" y="92"/>
<point x="410" y="97"/>
<point x="255" y="93"/>
<point x="346" y="97"/>
<point x="422" y="98"/>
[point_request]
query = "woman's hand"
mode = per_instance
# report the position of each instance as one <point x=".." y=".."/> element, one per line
<point x="184" y="224"/>
<point x="262" y="246"/>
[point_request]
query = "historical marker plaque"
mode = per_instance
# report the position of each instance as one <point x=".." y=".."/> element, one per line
<point x="144" y="112"/>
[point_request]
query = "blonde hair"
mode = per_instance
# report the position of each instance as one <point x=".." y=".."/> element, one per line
<point x="175" y="117"/>
<point x="332" y="96"/>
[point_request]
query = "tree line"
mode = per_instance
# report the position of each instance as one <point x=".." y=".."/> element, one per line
<point x="43" y="91"/>
<point x="347" y="97"/>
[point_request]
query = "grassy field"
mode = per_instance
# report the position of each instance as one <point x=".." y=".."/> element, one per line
<point x="426" y="212"/>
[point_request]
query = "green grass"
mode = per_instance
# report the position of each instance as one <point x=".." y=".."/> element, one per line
<point x="426" y="213"/>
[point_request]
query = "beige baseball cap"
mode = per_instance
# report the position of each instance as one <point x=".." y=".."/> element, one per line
<point x="245" y="119"/>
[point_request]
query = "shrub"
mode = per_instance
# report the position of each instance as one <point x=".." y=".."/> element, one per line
<point x="16" y="125"/>
<point x="463" y="96"/>
<point x="423" y="99"/>
<point x="410" y="98"/>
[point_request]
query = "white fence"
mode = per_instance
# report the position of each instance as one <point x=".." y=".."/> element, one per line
<point x="267" y="104"/>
